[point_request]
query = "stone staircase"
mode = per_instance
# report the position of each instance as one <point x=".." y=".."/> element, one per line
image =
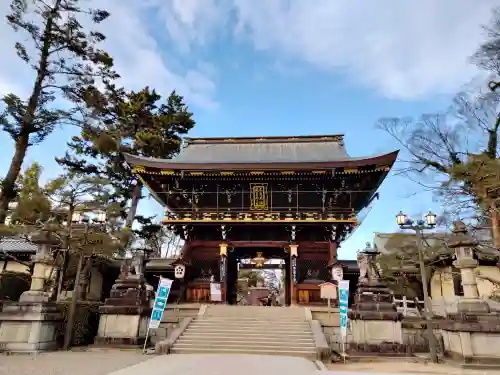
<point x="249" y="330"/>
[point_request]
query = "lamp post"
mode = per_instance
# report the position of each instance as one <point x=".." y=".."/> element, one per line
<point x="97" y="222"/>
<point x="419" y="226"/>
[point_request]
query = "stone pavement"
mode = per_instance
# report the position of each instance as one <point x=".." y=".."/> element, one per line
<point x="78" y="362"/>
<point x="220" y="364"/>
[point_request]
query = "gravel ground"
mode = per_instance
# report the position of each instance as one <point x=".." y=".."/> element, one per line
<point x="93" y="362"/>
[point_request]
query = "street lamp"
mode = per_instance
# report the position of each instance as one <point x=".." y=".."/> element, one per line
<point x="419" y="226"/>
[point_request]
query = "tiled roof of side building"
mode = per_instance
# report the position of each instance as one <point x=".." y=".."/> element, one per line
<point x="301" y="149"/>
<point x="13" y="245"/>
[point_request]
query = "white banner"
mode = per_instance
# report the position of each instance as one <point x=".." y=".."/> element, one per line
<point x="160" y="302"/>
<point x="343" y="305"/>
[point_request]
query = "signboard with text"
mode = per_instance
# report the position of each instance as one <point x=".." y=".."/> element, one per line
<point x="162" y="293"/>
<point x="215" y="292"/>
<point x="328" y="291"/>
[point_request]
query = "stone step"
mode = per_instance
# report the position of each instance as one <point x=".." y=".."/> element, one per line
<point x="238" y="342"/>
<point x="250" y="324"/>
<point x="248" y="319"/>
<point x="284" y="330"/>
<point x="265" y="335"/>
<point x="257" y="317"/>
<point x="253" y="313"/>
<point x="309" y="354"/>
<point x="254" y="310"/>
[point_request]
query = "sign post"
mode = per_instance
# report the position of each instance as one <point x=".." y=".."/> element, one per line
<point x="328" y="291"/>
<point x="161" y="298"/>
<point x="343" y="308"/>
<point x="215" y="292"/>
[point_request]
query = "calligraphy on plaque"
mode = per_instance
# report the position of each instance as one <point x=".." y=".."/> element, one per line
<point x="294" y="270"/>
<point x="258" y="197"/>
<point x="222" y="269"/>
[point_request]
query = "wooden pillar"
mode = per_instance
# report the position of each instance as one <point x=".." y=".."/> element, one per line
<point x="293" y="272"/>
<point x="223" y="271"/>
<point x="332" y="253"/>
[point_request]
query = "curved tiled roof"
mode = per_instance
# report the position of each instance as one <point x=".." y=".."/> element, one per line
<point x="263" y="150"/>
<point x="246" y="151"/>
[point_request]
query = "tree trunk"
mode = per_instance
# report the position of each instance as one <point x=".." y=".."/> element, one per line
<point x="22" y="140"/>
<point x="9" y="182"/>
<point x="136" y="197"/>
<point x="495" y="224"/>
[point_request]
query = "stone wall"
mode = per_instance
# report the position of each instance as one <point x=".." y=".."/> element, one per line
<point x="474" y="339"/>
<point x="413" y="331"/>
<point x="172" y="316"/>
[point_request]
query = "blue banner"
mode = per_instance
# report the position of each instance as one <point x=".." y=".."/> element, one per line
<point x="160" y="302"/>
<point x="343" y="305"/>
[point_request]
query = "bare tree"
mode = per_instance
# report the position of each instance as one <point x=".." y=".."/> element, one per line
<point x="442" y="150"/>
<point x="456" y="153"/>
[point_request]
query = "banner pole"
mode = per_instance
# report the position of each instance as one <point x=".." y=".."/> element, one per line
<point x="145" y="341"/>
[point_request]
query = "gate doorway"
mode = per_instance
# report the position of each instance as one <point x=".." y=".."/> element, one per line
<point x="265" y="267"/>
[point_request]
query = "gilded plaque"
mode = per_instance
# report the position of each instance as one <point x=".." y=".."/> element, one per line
<point x="258" y="197"/>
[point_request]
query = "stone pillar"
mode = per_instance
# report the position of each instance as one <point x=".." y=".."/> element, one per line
<point x="374" y="320"/>
<point x="223" y="271"/>
<point x="464" y="245"/>
<point x="125" y="314"/>
<point x="293" y="272"/>
<point x="32" y="324"/>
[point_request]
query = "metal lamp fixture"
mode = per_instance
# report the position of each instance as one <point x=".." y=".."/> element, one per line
<point x="430" y="219"/>
<point x="419" y="226"/>
<point x="100" y="217"/>
<point x="401" y="218"/>
<point x="76" y="217"/>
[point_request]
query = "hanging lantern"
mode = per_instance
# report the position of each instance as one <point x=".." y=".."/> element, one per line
<point x="179" y="271"/>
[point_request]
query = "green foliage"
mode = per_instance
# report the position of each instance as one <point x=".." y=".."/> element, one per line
<point x="482" y="174"/>
<point x="86" y="321"/>
<point x="67" y="64"/>
<point x="399" y="263"/>
<point x="13" y="284"/>
<point x="32" y="204"/>
<point x="137" y="123"/>
<point x="253" y="277"/>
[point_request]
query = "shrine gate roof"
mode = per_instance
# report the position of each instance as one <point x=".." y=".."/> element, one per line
<point x="252" y="151"/>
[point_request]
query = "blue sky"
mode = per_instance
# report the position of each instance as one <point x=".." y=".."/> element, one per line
<point x="285" y="67"/>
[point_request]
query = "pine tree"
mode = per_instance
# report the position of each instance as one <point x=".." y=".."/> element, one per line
<point x="137" y="123"/>
<point x="67" y="64"/>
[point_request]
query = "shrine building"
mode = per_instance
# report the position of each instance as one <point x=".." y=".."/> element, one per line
<point x="238" y="202"/>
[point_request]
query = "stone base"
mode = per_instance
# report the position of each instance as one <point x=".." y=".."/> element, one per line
<point x="376" y="332"/>
<point x="125" y="314"/>
<point x="473" y="307"/>
<point x="122" y="330"/>
<point x="383" y="349"/>
<point x="29" y="327"/>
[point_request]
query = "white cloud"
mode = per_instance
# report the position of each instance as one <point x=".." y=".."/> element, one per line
<point x="403" y="49"/>
<point x="138" y="56"/>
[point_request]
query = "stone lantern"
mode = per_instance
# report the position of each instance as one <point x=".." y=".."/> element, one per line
<point x="463" y="245"/>
<point x="44" y="269"/>
<point x="33" y="323"/>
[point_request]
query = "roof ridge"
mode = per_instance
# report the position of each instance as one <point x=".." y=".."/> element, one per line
<point x="338" y="138"/>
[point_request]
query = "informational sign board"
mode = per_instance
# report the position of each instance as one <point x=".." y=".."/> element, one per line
<point x="215" y="292"/>
<point x="343" y="305"/>
<point x="328" y="291"/>
<point x="162" y="293"/>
